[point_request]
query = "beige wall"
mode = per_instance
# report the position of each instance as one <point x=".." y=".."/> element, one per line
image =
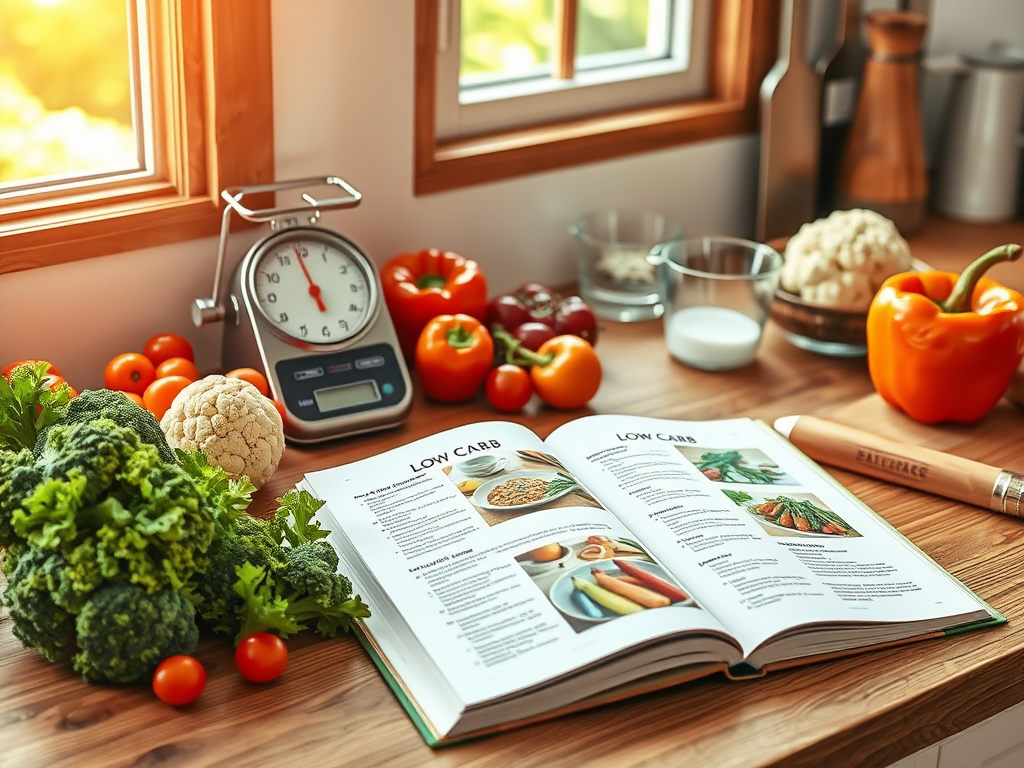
<point x="343" y="74"/>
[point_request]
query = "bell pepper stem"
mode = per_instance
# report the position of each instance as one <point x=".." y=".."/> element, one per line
<point x="431" y="281"/>
<point x="516" y="353"/>
<point x="458" y="337"/>
<point x="959" y="299"/>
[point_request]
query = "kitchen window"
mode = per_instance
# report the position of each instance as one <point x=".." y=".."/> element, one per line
<point x="123" y="135"/>
<point x="508" y="87"/>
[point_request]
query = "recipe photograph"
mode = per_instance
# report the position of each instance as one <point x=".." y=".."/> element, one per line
<point x="736" y="465"/>
<point x="792" y="514"/>
<point x="502" y="485"/>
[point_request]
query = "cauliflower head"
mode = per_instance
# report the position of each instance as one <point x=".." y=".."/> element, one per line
<point x="843" y="259"/>
<point x="237" y="428"/>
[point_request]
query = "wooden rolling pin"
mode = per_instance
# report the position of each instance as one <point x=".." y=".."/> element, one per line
<point x="916" y="467"/>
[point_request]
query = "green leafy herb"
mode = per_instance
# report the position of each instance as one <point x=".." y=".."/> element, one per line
<point x="28" y="406"/>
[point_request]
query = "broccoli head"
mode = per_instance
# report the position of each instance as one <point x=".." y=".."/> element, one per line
<point x="36" y="585"/>
<point x="123" y="632"/>
<point x="102" y="486"/>
<point x="214" y="591"/>
<point x="95" y="404"/>
<point x="312" y="569"/>
<point x="276" y="575"/>
<point x="18" y="477"/>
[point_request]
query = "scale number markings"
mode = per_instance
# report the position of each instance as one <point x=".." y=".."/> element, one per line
<point x="322" y="300"/>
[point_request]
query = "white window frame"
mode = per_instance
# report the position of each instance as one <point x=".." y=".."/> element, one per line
<point x="617" y="82"/>
<point x="213" y="128"/>
<point x="743" y="44"/>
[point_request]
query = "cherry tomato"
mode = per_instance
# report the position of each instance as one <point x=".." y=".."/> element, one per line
<point x="575" y="317"/>
<point x="130" y="372"/>
<point x="179" y="680"/>
<point x="137" y="399"/>
<point x="177" y="366"/>
<point x="261" y="657"/>
<point x="161" y="393"/>
<point x="533" y="334"/>
<point x="167" y="345"/>
<point x="254" y="377"/>
<point x="280" y="409"/>
<point x="572" y="377"/>
<point x="508" y="387"/>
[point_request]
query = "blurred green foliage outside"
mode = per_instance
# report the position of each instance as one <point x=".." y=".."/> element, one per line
<point x="512" y="36"/>
<point x="65" y="88"/>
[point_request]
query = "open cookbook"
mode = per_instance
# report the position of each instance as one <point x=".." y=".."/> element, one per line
<point x="512" y="578"/>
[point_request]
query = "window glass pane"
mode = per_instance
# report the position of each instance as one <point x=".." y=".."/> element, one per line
<point x="505" y="39"/>
<point x="612" y="25"/>
<point x="66" y="93"/>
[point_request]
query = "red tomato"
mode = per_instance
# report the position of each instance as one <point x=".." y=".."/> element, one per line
<point x="130" y="372"/>
<point x="167" y="345"/>
<point x="137" y="399"/>
<point x="253" y="376"/>
<point x="508" y="387"/>
<point x="261" y="657"/>
<point x="161" y="393"/>
<point x="280" y="409"/>
<point x="177" y="366"/>
<point x="179" y="680"/>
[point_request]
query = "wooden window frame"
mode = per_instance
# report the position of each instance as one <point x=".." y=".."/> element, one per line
<point x="743" y="49"/>
<point x="213" y="121"/>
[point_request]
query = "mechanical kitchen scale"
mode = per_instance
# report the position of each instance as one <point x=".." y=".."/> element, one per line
<point x="305" y="306"/>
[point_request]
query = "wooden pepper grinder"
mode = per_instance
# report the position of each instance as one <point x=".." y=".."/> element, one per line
<point x="883" y="164"/>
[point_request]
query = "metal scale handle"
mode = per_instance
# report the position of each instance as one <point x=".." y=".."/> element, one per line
<point x="209" y="310"/>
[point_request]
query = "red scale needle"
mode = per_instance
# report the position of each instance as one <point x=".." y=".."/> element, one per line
<point x="314" y="289"/>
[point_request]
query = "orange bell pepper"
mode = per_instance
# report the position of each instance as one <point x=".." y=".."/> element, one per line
<point x="420" y="286"/>
<point x="454" y="354"/>
<point x="942" y="346"/>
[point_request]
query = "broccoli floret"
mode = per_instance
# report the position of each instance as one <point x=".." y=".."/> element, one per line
<point x="257" y="581"/>
<point x="269" y="604"/>
<point x="312" y="568"/>
<point x="18" y="477"/>
<point x="95" y="404"/>
<point x="36" y="583"/>
<point x="214" y="591"/>
<point x="102" y="486"/>
<point x="124" y="632"/>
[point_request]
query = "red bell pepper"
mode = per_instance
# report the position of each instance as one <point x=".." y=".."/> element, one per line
<point x="420" y="286"/>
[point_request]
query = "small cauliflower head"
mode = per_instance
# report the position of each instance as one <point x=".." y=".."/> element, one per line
<point x="237" y="428"/>
<point x="843" y="259"/>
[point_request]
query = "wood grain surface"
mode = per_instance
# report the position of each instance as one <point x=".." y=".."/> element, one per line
<point x="331" y="707"/>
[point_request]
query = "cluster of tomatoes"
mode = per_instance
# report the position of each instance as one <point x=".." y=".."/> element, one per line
<point x="528" y="341"/>
<point x="166" y="365"/>
<point x="259" y="658"/>
<point x="531" y="341"/>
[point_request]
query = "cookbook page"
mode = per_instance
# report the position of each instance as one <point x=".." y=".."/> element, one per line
<point x="508" y="569"/>
<point x="758" y="533"/>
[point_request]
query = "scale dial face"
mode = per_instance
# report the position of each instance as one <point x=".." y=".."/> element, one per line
<point x="313" y="287"/>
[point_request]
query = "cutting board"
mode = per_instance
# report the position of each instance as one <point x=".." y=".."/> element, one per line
<point x="998" y="439"/>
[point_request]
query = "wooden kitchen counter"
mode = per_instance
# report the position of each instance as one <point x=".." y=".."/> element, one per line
<point x="332" y="707"/>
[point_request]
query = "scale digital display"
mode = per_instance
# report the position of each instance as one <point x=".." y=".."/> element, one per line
<point x="346" y="396"/>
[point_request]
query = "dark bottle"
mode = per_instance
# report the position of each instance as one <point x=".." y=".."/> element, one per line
<point x="840" y="69"/>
